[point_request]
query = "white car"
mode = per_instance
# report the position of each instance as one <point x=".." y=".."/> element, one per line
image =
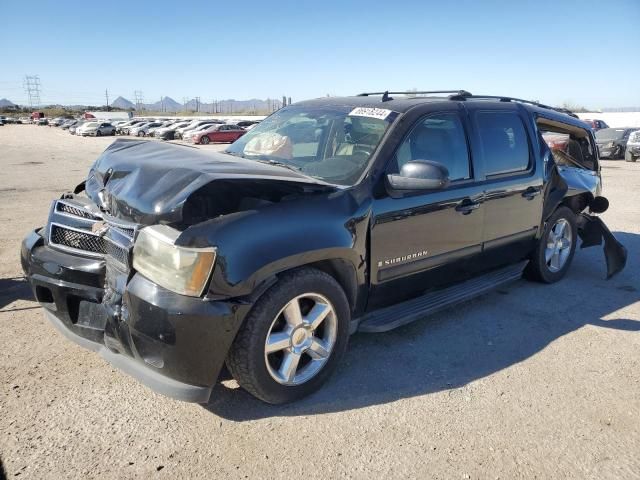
<point x="632" y="151"/>
<point x="187" y="134"/>
<point x="96" y="129"/>
<point x="194" y="124"/>
<point x="143" y="130"/>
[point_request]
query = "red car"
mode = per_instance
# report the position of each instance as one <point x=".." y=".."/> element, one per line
<point x="219" y="133"/>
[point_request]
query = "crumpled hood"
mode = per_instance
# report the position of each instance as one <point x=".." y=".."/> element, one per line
<point x="148" y="182"/>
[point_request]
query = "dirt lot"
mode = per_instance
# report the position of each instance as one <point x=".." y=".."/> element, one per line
<point x="531" y="381"/>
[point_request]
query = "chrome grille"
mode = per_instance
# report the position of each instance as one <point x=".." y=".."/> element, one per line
<point x="118" y="253"/>
<point x="127" y="231"/>
<point x="64" y="207"/>
<point x="76" y="240"/>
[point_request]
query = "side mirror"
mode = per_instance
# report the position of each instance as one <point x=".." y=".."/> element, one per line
<point x="419" y="175"/>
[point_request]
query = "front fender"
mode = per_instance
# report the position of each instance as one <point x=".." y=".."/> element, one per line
<point x="254" y="246"/>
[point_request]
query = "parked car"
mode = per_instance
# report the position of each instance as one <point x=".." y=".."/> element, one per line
<point x="612" y="142"/>
<point x="167" y="133"/>
<point x="218" y="134"/>
<point x="96" y="129"/>
<point x="596" y="124"/>
<point x="124" y="128"/>
<point x="188" y="134"/>
<point x="42" y="121"/>
<point x="180" y="132"/>
<point x="268" y="256"/>
<point x="24" y="120"/>
<point x="632" y="151"/>
<point x="68" y="124"/>
<point x="142" y="129"/>
<point x="151" y="131"/>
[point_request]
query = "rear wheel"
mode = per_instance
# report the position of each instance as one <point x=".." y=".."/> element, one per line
<point x="628" y="157"/>
<point x="293" y="338"/>
<point x="553" y="254"/>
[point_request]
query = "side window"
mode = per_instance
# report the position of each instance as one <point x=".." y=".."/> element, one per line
<point x="439" y="137"/>
<point x="504" y="142"/>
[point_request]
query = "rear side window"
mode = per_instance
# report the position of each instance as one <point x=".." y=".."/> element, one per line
<point x="504" y="142"/>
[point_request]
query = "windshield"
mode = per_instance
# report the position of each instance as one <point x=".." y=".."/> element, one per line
<point x="331" y="143"/>
<point x="92" y="124"/>
<point x="609" y="134"/>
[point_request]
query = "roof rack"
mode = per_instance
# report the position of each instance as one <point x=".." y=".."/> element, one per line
<point x="462" y="95"/>
<point x="512" y="99"/>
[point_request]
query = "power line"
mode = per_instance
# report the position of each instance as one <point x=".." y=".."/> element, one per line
<point x="32" y="87"/>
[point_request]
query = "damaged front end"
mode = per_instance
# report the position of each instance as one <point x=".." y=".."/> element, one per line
<point x="155" y="320"/>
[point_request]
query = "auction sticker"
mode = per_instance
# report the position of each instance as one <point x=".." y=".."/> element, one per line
<point x="371" y="112"/>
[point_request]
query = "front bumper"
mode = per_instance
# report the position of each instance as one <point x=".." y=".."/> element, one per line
<point x="174" y="344"/>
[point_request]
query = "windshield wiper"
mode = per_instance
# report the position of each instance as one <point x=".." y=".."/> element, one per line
<point x="278" y="164"/>
<point x="234" y="154"/>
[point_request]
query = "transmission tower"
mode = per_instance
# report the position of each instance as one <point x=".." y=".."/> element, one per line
<point x="138" y="99"/>
<point x="32" y="88"/>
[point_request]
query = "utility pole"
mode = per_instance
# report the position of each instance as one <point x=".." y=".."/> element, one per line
<point x="184" y="101"/>
<point x="138" y="99"/>
<point x="198" y="104"/>
<point x="106" y="95"/>
<point x="32" y="87"/>
<point x="162" y="104"/>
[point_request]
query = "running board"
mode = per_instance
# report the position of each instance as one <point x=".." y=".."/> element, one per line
<point x="395" y="316"/>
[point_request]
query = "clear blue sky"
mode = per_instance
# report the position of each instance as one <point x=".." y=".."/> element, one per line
<point x="583" y="52"/>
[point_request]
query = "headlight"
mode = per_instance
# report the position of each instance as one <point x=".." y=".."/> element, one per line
<point x="179" y="269"/>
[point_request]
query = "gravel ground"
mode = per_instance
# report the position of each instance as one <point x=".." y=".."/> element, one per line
<point x="530" y="381"/>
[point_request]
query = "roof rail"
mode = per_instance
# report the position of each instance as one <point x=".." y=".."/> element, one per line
<point x="432" y="92"/>
<point x="512" y="99"/>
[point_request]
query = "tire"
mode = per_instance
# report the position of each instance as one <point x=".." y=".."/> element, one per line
<point x="550" y="264"/>
<point x="204" y="140"/>
<point x="98" y="134"/>
<point x="263" y="374"/>
<point x="141" y="134"/>
<point x="113" y="133"/>
<point x="628" y="157"/>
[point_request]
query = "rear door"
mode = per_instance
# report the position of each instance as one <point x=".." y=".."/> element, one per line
<point x="423" y="240"/>
<point x="513" y="182"/>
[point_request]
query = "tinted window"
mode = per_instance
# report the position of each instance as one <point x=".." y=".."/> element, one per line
<point x="440" y="138"/>
<point x="504" y="142"/>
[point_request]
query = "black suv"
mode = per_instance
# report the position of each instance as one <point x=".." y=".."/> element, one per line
<point x="331" y="216"/>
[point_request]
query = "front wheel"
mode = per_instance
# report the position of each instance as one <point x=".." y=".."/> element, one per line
<point x="628" y="157"/>
<point x="204" y="140"/>
<point x="293" y="338"/>
<point x="98" y="133"/>
<point x="552" y="257"/>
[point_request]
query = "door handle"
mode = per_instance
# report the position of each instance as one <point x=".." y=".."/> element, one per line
<point x="531" y="193"/>
<point x="467" y="206"/>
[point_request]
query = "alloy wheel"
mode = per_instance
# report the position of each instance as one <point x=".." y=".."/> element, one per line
<point x="300" y="339"/>
<point x="559" y="243"/>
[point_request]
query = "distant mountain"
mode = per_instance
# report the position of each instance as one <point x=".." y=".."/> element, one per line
<point x="4" y="103"/>
<point x="167" y="104"/>
<point x="122" y="103"/>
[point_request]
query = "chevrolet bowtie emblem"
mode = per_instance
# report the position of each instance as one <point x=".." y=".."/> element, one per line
<point x="99" y="228"/>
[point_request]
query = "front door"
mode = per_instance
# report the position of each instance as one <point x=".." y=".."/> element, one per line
<point x="413" y="238"/>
